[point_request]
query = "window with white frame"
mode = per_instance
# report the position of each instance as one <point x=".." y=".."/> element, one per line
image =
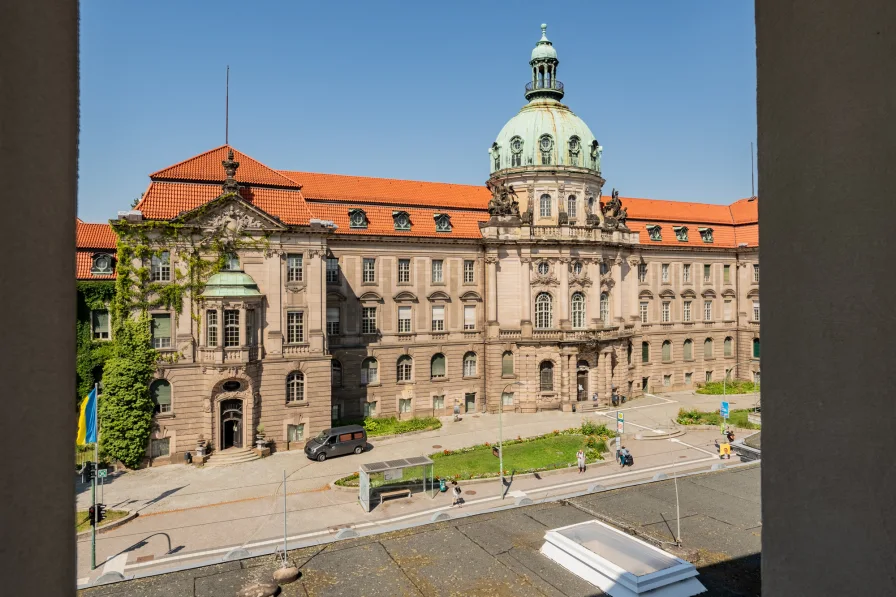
<point x="686" y="311"/>
<point x="231" y="328"/>
<point x="369" y="271"/>
<point x="755" y="272"/>
<point x="295" y="327"/>
<point x="707" y="310"/>
<point x="438" y="402"/>
<point x="707" y="272"/>
<point x="644" y="311"/>
<point x="160" y="267"/>
<point x="709" y="376"/>
<point x="404" y="405"/>
<point x="438" y="318"/>
<point x="437" y="277"/>
<point x="405" y="368"/>
<point x="546" y="376"/>
<point x="756" y="311"/>
<point x="99" y="323"/>
<point x="295" y="433"/>
<point x="686" y="272"/>
<point x="545" y="206"/>
<point x="332" y="270"/>
<point x="726" y="274"/>
<point x="404" y="320"/>
<point x="332" y="321"/>
<point x="642" y="272"/>
<point x="604" y="307"/>
<point x="231" y="262"/>
<point x="370" y="371"/>
<point x="727" y="305"/>
<point x="368" y="320"/>
<point x="544" y="311"/>
<point x="507" y="399"/>
<point x="404" y="271"/>
<point x="160" y="392"/>
<point x="578" y="310"/>
<point x="295" y="387"/>
<point x="665" y="272"/>
<point x="335" y="373"/>
<point x="161" y="331"/>
<point x="295" y="268"/>
<point x="571" y="207"/>
<point x="469" y="317"/>
<point x="370" y="409"/>
<point x="211" y="329"/>
<point x="666" y="311"/>
<point x="470" y="364"/>
<point x="469" y="269"/>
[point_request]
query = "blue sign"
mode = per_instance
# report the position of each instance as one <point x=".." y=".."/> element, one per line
<point x="724" y="410"/>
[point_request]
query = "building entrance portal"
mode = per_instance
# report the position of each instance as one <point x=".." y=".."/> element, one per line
<point x="231" y="424"/>
<point x="582" y="381"/>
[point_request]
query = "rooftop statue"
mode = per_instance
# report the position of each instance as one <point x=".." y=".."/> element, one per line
<point x="614" y="214"/>
<point x="504" y="200"/>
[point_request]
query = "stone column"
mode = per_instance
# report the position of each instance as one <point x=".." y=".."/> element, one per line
<point x="594" y="274"/>
<point x="608" y="374"/>
<point x="617" y="293"/>
<point x="564" y="378"/>
<point x="491" y="266"/>
<point x="242" y="325"/>
<point x="526" y="295"/>
<point x="563" y="292"/>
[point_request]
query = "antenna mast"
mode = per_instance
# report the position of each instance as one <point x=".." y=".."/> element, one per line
<point x="227" y="111"/>
<point x="752" y="183"/>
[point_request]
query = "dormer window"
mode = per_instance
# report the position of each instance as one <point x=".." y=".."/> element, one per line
<point x="516" y="152"/>
<point x="102" y="265"/>
<point x="357" y="218"/>
<point x="402" y="220"/>
<point x="574" y="148"/>
<point x="706" y="234"/>
<point x="443" y="222"/>
<point x="496" y="155"/>
<point x="681" y="233"/>
<point x="231" y="262"/>
<point x="654" y="232"/>
<point x="546" y="144"/>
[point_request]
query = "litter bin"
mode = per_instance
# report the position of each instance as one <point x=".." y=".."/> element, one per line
<point x="443" y="487"/>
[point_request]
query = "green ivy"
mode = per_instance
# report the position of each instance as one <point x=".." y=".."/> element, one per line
<point x="91" y="354"/>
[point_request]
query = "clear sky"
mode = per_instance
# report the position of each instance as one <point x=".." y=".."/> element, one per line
<point x="414" y="90"/>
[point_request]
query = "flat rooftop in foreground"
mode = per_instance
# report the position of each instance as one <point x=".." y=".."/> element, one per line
<point x="497" y="554"/>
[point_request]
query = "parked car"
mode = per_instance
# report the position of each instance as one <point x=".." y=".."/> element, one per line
<point x="337" y="441"/>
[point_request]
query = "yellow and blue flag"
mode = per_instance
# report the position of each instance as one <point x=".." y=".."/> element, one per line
<point x="87" y="420"/>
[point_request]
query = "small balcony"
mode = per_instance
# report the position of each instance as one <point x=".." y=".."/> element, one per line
<point x="550" y="87"/>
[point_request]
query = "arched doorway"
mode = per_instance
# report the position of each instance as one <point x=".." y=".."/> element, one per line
<point x="231" y="424"/>
<point x="582" y="369"/>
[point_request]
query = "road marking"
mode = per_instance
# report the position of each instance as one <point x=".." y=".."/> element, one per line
<point x="116" y="564"/>
<point x="613" y="416"/>
<point x="678" y="441"/>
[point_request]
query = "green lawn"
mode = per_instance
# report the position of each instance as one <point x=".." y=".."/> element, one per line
<point x="82" y="519"/>
<point x="392" y="426"/>
<point x="732" y="386"/>
<point x="737" y="418"/>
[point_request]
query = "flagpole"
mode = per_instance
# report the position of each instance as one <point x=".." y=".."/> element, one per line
<point x="96" y="467"/>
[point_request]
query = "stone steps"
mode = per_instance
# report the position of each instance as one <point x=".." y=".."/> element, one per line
<point x="232" y="456"/>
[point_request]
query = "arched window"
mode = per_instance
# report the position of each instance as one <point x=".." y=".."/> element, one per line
<point x="436" y="366"/>
<point x="571" y="207"/>
<point x="707" y="348"/>
<point x="728" y="346"/>
<point x="545" y="144"/>
<point x="335" y="373"/>
<point x="667" y="351"/>
<point x="507" y="363"/>
<point x="645" y="352"/>
<point x="404" y="368"/>
<point x="470" y="364"/>
<point x="544" y="311"/>
<point x="160" y="390"/>
<point x="545" y="206"/>
<point x="295" y="386"/>
<point x="370" y="371"/>
<point x="546" y="376"/>
<point x="574" y="148"/>
<point x="604" y="307"/>
<point x="688" y="350"/>
<point x="629" y="350"/>
<point x="578" y="310"/>
<point x="755" y="348"/>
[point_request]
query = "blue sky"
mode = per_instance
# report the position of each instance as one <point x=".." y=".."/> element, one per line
<point x="414" y="90"/>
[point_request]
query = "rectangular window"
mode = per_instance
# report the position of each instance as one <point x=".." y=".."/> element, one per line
<point x="160" y="447"/>
<point x="369" y="274"/>
<point x="571" y="207"/>
<point x="707" y="310"/>
<point x="469" y="266"/>
<point x="404" y="405"/>
<point x="686" y="312"/>
<point x="295" y="327"/>
<point x="370" y="409"/>
<point x="160" y="267"/>
<point x="368" y="320"/>
<point x="755" y="272"/>
<point x="250" y="327"/>
<point x="231" y="328"/>
<point x="645" y="352"/>
<point x="404" y="320"/>
<point x="667" y="380"/>
<point x="332" y="270"/>
<point x="709" y="376"/>
<point x="438" y="402"/>
<point x="507" y="399"/>
<point x="707" y="272"/>
<point x="332" y="321"/>
<point x="295" y="433"/>
<point x="642" y="272"/>
<point x="644" y="306"/>
<point x="666" y="310"/>
<point x="438" y="318"/>
<point x="665" y="272"/>
<point x="294" y="268"/>
<point x="727" y="310"/>
<point x="686" y="272"/>
<point x="469" y="317"/>
<point x="161" y="331"/>
<point x="100" y="324"/>
<point x="404" y="271"/>
<point x="756" y="311"/>
<point x="211" y="329"/>
<point x="687" y="378"/>
<point x="726" y="274"/>
<point x="437" y="271"/>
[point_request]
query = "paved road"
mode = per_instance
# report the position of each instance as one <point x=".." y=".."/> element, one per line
<point x="185" y="510"/>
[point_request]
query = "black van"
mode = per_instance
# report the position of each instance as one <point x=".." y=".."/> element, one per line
<point x="336" y="442"/>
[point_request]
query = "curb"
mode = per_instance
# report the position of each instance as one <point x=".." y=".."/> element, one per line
<point x="108" y="527"/>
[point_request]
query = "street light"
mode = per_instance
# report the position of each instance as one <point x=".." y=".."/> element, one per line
<point x="501" y="433"/>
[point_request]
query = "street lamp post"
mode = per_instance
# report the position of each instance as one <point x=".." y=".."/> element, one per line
<point x="501" y="433"/>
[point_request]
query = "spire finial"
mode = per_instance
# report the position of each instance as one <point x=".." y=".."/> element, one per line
<point x="544" y="32"/>
<point x="230" y="166"/>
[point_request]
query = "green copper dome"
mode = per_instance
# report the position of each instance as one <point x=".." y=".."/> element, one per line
<point x="231" y="284"/>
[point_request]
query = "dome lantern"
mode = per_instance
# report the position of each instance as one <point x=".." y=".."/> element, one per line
<point x="544" y="83"/>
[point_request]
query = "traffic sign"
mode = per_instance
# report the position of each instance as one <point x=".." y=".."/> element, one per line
<point x="620" y="423"/>
<point x="101" y="473"/>
<point x="724" y="410"/>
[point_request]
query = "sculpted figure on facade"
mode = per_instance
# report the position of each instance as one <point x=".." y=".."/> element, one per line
<point x="614" y="214"/>
<point x="504" y="201"/>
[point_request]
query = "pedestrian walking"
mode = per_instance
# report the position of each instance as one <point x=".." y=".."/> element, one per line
<point x="580" y="459"/>
<point x="456" y="492"/>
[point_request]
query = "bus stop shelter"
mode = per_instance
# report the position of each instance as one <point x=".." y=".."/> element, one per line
<point x="379" y="479"/>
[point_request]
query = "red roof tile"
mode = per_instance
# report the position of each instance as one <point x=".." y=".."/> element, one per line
<point x="723" y="236"/>
<point x="83" y="263"/>
<point x="745" y="211"/>
<point x="675" y="211"/>
<point x="94" y="236"/>
<point x="206" y="167"/>
<point x="339" y="187"/>
<point x="464" y="223"/>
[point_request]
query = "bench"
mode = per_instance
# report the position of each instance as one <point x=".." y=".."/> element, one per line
<point x="397" y="493"/>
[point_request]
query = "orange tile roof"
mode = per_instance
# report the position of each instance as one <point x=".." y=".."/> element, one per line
<point x="464" y="223"/>
<point x="675" y="211"/>
<point x="83" y="263"/>
<point x="748" y="233"/>
<point x="206" y="167"/>
<point x="94" y="236"/>
<point x="745" y="211"/>
<point x="339" y="187"/>
<point x="723" y="236"/>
